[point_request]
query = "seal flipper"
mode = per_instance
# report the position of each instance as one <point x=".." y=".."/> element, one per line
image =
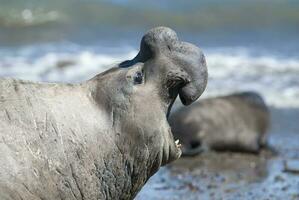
<point x="192" y="152"/>
<point x="195" y="149"/>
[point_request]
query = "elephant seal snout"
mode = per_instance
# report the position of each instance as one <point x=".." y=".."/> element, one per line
<point x="183" y="64"/>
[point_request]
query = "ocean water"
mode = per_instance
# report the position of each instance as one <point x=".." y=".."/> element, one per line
<point x="249" y="45"/>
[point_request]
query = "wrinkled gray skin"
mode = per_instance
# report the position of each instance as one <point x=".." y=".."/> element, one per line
<point x="237" y="122"/>
<point x="103" y="138"/>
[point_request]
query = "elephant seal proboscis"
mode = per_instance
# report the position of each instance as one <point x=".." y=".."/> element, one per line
<point x="236" y="122"/>
<point x="99" y="139"/>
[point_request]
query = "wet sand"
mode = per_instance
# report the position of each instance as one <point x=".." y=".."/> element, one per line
<point x="226" y="175"/>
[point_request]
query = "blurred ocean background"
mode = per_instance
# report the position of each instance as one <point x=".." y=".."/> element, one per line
<point x="249" y="45"/>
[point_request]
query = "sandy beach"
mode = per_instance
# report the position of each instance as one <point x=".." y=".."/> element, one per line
<point x="225" y="175"/>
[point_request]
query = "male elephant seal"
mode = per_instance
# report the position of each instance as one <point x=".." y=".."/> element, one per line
<point x="237" y="122"/>
<point x="103" y="138"/>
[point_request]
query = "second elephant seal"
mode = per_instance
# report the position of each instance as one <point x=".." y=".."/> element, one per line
<point x="236" y="122"/>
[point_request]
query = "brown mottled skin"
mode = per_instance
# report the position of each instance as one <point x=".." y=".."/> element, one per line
<point x="236" y="122"/>
<point x="100" y="139"/>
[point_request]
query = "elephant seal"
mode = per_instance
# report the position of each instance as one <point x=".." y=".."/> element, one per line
<point x="99" y="139"/>
<point x="236" y="122"/>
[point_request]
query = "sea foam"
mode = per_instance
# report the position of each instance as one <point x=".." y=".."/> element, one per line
<point x="277" y="79"/>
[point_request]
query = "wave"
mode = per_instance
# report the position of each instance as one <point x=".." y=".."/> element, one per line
<point x="47" y="63"/>
<point x="193" y="15"/>
<point x="17" y="18"/>
<point x="274" y="77"/>
<point x="230" y="70"/>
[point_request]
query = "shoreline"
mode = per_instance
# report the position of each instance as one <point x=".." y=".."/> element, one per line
<point x="213" y="175"/>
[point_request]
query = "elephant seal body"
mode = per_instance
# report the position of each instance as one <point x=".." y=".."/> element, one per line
<point x="236" y="122"/>
<point x="100" y="139"/>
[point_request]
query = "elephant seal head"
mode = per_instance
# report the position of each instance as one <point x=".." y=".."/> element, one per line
<point x="181" y="66"/>
<point x="138" y="95"/>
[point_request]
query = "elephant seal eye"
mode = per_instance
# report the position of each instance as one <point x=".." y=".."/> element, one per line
<point x="138" y="77"/>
